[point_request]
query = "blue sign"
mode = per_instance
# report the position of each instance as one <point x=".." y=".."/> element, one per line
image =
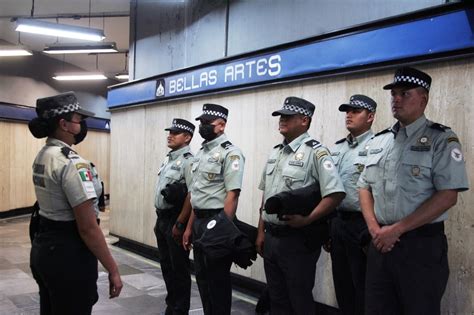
<point x="428" y="36"/>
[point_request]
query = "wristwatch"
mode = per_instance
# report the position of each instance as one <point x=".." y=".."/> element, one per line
<point x="180" y="226"/>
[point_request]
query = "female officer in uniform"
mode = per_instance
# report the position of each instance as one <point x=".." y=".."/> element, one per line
<point x="68" y="241"/>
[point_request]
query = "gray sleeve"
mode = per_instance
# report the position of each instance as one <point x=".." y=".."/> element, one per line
<point x="234" y="170"/>
<point x="188" y="176"/>
<point x="76" y="182"/>
<point x="449" y="166"/>
<point x="326" y="172"/>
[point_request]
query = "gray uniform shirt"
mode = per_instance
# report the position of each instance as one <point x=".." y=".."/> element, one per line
<point x="349" y="155"/>
<point x="217" y="168"/>
<point x="406" y="166"/>
<point x="295" y="165"/>
<point x="63" y="180"/>
<point x="175" y="168"/>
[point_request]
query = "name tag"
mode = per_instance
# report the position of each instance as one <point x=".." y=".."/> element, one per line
<point x="175" y="167"/>
<point x="375" y="151"/>
<point x="271" y="161"/>
<point x="363" y="153"/>
<point x="296" y="163"/>
<point x="420" y="148"/>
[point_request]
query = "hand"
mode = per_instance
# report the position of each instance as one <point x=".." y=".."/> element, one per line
<point x="187" y="244"/>
<point x="259" y="242"/>
<point x="115" y="285"/>
<point x="327" y="246"/>
<point x="296" y="220"/>
<point x="177" y="234"/>
<point x="386" y="238"/>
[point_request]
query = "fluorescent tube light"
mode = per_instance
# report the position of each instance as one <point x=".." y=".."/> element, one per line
<point x="79" y="76"/>
<point x="11" y="51"/>
<point x="59" y="30"/>
<point x="81" y="48"/>
<point x="122" y="76"/>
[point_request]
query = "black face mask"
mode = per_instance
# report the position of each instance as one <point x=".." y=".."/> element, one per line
<point x="82" y="134"/>
<point x="207" y="131"/>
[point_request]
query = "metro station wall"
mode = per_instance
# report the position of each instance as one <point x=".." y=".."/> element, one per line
<point x="18" y="149"/>
<point x="138" y="146"/>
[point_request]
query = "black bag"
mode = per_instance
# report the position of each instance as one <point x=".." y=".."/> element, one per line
<point x="222" y="238"/>
<point x="34" y="221"/>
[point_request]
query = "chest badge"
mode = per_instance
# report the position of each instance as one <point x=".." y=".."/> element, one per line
<point x="211" y="176"/>
<point x="299" y="156"/>
<point x="415" y="170"/>
<point x="216" y="156"/>
<point x="424" y="140"/>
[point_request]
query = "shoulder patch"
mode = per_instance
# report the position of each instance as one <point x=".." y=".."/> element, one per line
<point x="453" y="139"/>
<point x="340" y="141"/>
<point x="439" y="127"/>
<point x="187" y="155"/>
<point x="322" y="154"/>
<point x="313" y="143"/>
<point x="226" y="145"/>
<point x="67" y="152"/>
<point x="382" y="132"/>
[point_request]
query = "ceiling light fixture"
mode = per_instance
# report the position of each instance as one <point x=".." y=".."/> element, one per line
<point x="13" y="51"/>
<point x="122" y="76"/>
<point x="58" y="30"/>
<point x="79" y="76"/>
<point x="81" y="48"/>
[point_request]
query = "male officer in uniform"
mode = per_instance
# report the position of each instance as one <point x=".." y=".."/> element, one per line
<point x="217" y="172"/>
<point x="349" y="234"/>
<point x="412" y="176"/>
<point x="172" y="215"/>
<point x="289" y="259"/>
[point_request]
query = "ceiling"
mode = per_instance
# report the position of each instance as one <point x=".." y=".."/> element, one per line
<point x="110" y="15"/>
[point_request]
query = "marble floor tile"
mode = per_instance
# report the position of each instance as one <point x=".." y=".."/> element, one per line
<point x="144" y="290"/>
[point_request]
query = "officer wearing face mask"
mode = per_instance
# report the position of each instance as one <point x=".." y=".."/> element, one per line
<point x="68" y="241"/>
<point x="217" y="172"/>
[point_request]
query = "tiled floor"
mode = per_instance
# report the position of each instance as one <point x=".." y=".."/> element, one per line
<point x="143" y="292"/>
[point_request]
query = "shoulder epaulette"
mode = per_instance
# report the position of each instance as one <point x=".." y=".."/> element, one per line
<point x="439" y="126"/>
<point x="279" y="145"/>
<point x="313" y="143"/>
<point x="341" y="141"/>
<point x="67" y="151"/>
<point x="226" y="145"/>
<point x="187" y="155"/>
<point x="382" y="132"/>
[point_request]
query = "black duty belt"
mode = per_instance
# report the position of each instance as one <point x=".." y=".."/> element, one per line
<point x="280" y="230"/>
<point x="426" y="230"/>
<point x="206" y="213"/>
<point x="52" y="225"/>
<point x="349" y="215"/>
